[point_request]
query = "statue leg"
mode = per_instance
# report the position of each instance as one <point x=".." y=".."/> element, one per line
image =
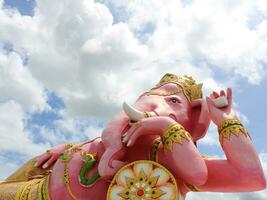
<point x="28" y="172"/>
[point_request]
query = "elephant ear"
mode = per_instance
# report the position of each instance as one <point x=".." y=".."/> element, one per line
<point x="200" y="119"/>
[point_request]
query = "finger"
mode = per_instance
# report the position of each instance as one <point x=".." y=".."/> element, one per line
<point x="215" y="94"/>
<point x="43" y="158"/>
<point x="49" y="162"/>
<point x="222" y="93"/>
<point x="229" y="96"/>
<point x="133" y="138"/>
<point x="126" y="138"/>
<point x="210" y="102"/>
<point x="128" y="134"/>
<point x="212" y="96"/>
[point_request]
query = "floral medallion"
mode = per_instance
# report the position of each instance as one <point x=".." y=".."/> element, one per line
<point x="143" y="180"/>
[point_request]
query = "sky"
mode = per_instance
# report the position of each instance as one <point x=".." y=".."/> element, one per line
<point x="66" y="67"/>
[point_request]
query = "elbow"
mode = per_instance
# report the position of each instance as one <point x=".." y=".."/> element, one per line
<point x="199" y="177"/>
<point x="260" y="184"/>
<point x="256" y="180"/>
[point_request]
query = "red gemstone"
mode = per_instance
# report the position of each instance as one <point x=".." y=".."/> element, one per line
<point x="140" y="192"/>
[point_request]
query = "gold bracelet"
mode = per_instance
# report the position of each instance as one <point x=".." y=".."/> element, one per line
<point x="174" y="134"/>
<point x="231" y="126"/>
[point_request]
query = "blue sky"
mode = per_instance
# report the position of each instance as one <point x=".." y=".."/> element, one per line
<point x="56" y="61"/>
<point x="25" y="7"/>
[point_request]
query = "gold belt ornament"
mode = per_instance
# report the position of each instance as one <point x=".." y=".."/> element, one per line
<point x="143" y="180"/>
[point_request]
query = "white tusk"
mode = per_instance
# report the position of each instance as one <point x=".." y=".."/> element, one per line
<point x="132" y="113"/>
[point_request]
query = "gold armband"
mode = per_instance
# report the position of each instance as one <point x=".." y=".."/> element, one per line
<point x="174" y="134"/>
<point x="231" y="126"/>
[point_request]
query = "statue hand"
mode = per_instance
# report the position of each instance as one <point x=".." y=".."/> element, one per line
<point x="126" y="138"/>
<point x="217" y="115"/>
<point x="48" y="158"/>
<point x="147" y="126"/>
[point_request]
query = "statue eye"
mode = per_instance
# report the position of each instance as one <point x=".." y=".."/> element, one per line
<point x="175" y="100"/>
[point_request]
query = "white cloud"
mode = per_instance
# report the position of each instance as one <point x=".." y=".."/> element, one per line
<point x="76" y="51"/>
<point x="216" y="33"/>
<point x="17" y="144"/>
<point x="14" y="138"/>
<point x="19" y="85"/>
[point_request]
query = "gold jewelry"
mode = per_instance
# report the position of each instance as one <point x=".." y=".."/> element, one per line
<point x="65" y="158"/>
<point x="45" y="188"/>
<point x="143" y="179"/>
<point x="138" y="124"/>
<point x="67" y="181"/>
<point x="162" y="93"/>
<point x="49" y="152"/>
<point x="147" y="115"/>
<point x="36" y="189"/>
<point x="156" y="144"/>
<point x="231" y="126"/>
<point x="174" y="134"/>
<point x="190" y="187"/>
<point x="69" y="145"/>
<point x="191" y="89"/>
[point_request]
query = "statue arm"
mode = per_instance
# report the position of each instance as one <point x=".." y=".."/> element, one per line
<point x="180" y="154"/>
<point x="240" y="172"/>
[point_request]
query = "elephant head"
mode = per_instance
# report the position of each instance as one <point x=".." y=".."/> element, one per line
<point x="178" y="98"/>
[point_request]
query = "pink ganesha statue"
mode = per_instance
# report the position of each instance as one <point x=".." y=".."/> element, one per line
<point x="148" y="152"/>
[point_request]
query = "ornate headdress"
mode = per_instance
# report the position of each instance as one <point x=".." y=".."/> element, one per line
<point x="190" y="88"/>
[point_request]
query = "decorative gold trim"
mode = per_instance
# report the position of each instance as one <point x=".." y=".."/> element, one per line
<point x="49" y="151"/>
<point x="67" y="181"/>
<point x="39" y="189"/>
<point x="69" y="145"/>
<point x="190" y="88"/>
<point x="162" y="93"/>
<point x="138" y="124"/>
<point x="231" y="126"/>
<point x="33" y="190"/>
<point x="65" y="159"/>
<point x="156" y="144"/>
<point x="174" y="134"/>
<point x="45" y="187"/>
<point x="25" y="189"/>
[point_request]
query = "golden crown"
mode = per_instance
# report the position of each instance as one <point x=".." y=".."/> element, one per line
<point x="191" y="89"/>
